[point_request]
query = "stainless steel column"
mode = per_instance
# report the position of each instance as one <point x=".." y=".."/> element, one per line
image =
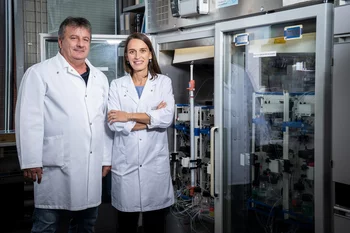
<point x="340" y="120"/>
<point x="8" y="65"/>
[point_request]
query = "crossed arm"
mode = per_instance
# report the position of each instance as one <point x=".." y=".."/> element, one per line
<point x="141" y="119"/>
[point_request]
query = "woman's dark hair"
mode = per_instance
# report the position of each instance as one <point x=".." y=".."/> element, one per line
<point x="75" y="22"/>
<point x="153" y="66"/>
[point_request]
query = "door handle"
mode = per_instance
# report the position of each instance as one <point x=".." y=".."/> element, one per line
<point x="345" y="210"/>
<point x="212" y="161"/>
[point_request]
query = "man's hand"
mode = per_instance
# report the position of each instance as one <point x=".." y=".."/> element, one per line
<point x="105" y="170"/>
<point x="34" y="174"/>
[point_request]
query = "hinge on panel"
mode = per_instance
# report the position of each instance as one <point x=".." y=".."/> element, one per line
<point x="331" y="163"/>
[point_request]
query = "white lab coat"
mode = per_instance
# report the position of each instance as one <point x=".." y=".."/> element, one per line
<point x="141" y="178"/>
<point x="61" y="126"/>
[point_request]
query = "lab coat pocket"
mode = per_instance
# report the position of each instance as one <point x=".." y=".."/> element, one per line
<point x="162" y="159"/>
<point x="118" y="159"/>
<point x="53" y="151"/>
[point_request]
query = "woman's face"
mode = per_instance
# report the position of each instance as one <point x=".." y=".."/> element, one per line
<point x="138" y="55"/>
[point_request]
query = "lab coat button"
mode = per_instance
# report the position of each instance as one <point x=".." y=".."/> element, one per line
<point x="90" y="152"/>
<point x="85" y="96"/>
<point x="140" y="165"/>
<point x="90" y="123"/>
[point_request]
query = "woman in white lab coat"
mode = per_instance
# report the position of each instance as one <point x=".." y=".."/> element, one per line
<point x="141" y="108"/>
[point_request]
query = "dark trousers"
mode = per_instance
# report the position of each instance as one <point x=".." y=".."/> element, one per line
<point x="152" y="221"/>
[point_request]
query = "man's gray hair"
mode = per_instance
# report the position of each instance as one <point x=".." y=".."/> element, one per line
<point x="75" y="22"/>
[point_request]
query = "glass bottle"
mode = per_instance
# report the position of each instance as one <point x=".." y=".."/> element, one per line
<point x="205" y="203"/>
<point x="196" y="199"/>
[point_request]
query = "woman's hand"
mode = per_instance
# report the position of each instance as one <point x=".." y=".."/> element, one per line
<point x="118" y="116"/>
<point x="161" y="105"/>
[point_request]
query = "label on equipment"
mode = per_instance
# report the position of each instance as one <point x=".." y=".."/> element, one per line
<point x="241" y="39"/>
<point x="293" y="32"/>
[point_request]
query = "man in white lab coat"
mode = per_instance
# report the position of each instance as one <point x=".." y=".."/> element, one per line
<point x="63" y="141"/>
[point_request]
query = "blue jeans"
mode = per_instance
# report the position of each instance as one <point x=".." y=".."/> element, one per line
<point x="48" y="220"/>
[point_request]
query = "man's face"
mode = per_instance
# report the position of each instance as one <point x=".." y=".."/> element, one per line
<point x="75" y="45"/>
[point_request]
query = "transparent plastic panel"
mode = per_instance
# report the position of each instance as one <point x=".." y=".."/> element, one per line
<point x="342" y="2"/>
<point x="269" y="111"/>
<point x="101" y="14"/>
<point x="107" y="55"/>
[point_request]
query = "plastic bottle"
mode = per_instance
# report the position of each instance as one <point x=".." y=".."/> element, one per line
<point x="273" y="191"/>
<point x="205" y="203"/>
<point x="296" y="197"/>
<point x="307" y="205"/>
<point x="255" y="192"/>
<point x="296" y="201"/>
<point x="262" y="194"/>
<point x="196" y="199"/>
<point x="211" y="208"/>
